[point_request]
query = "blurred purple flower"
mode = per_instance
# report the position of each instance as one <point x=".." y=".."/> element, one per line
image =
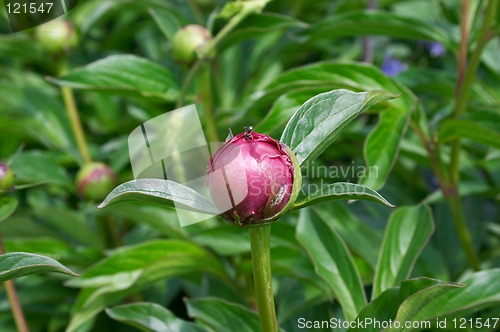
<point x="436" y="50"/>
<point x="392" y="66"/>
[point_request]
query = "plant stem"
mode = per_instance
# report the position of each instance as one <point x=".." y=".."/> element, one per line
<point x="261" y="259"/>
<point x="15" y="304"/>
<point x="76" y="125"/>
<point x="463" y="232"/>
<point x="368" y="46"/>
<point x="206" y="100"/>
<point x="74" y="118"/>
<point x="466" y="74"/>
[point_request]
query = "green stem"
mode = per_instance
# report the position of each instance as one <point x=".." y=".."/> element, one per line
<point x="74" y="118"/>
<point x="206" y="100"/>
<point x="467" y="72"/>
<point x="261" y="259"/>
<point x="462" y="231"/>
<point x="466" y="77"/>
<point x="15" y="304"/>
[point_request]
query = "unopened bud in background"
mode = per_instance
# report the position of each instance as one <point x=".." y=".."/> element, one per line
<point x="6" y="178"/>
<point x="94" y="181"/>
<point x="57" y="36"/>
<point x="187" y="41"/>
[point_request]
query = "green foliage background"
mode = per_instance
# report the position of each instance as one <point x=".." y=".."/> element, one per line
<point x="140" y="270"/>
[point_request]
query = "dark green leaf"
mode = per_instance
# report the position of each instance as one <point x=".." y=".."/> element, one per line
<point x="378" y="23"/>
<point x="361" y="239"/>
<point x="382" y="308"/>
<point x="332" y="261"/>
<point x="151" y="317"/>
<point x="319" y="121"/>
<point x="480" y="290"/>
<point x="340" y="190"/>
<point x="167" y="22"/>
<point x="257" y="25"/>
<point x="407" y="233"/>
<point x="385" y="306"/>
<point x="460" y="128"/>
<point x="413" y="304"/>
<point x="223" y="316"/>
<point x="36" y="166"/>
<point x="19" y="264"/>
<point x="128" y="74"/>
<point x="284" y="108"/>
<point x="382" y="144"/>
<point x="162" y="192"/>
<point x="148" y="260"/>
<point x="8" y="205"/>
<point x="129" y="269"/>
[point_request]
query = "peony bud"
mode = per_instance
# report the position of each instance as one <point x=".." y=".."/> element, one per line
<point x="6" y="178"/>
<point x="57" y="36"/>
<point x="187" y="41"/>
<point x="94" y="181"/>
<point x="263" y="169"/>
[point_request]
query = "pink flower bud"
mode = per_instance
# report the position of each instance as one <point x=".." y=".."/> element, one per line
<point x="94" y="181"/>
<point x="253" y="178"/>
<point x="6" y="178"/>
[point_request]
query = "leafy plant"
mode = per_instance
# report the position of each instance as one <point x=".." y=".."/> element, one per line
<point x="396" y="105"/>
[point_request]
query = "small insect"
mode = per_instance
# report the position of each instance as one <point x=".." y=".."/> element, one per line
<point x="248" y="132"/>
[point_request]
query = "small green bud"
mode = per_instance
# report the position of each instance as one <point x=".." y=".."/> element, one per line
<point x="94" y="181"/>
<point x="6" y="178"/>
<point x="187" y="41"/>
<point x="57" y="36"/>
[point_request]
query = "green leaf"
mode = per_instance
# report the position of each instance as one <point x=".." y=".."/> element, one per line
<point x="480" y="290"/>
<point x="151" y="317"/>
<point x="332" y="261"/>
<point x="8" y="205"/>
<point x="127" y="74"/>
<point x="382" y="144"/>
<point x="148" y="260"/>
<point x="129" y="269"/>
<point x="340" y="190"/>
<point x="19" y="264"/>
<point x="460" y="128"/>
<point x="166" y="21"/>
<point x="361" y="239"/>
<point x="162" y="192"/>
<point x="36" y="166"/>
<point x="223" y="316"/>
<point x="385" y="306"/>
<point x="407" y="233"/>
<point x="413" y="304"/>
<point x="284" y="108"/>
<point x="319" y="120"/>
<point x="257" y="25"/>
<point x="361" y="23"/>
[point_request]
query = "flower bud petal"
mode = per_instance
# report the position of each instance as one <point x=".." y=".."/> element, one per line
<point x="251" y="178"/>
